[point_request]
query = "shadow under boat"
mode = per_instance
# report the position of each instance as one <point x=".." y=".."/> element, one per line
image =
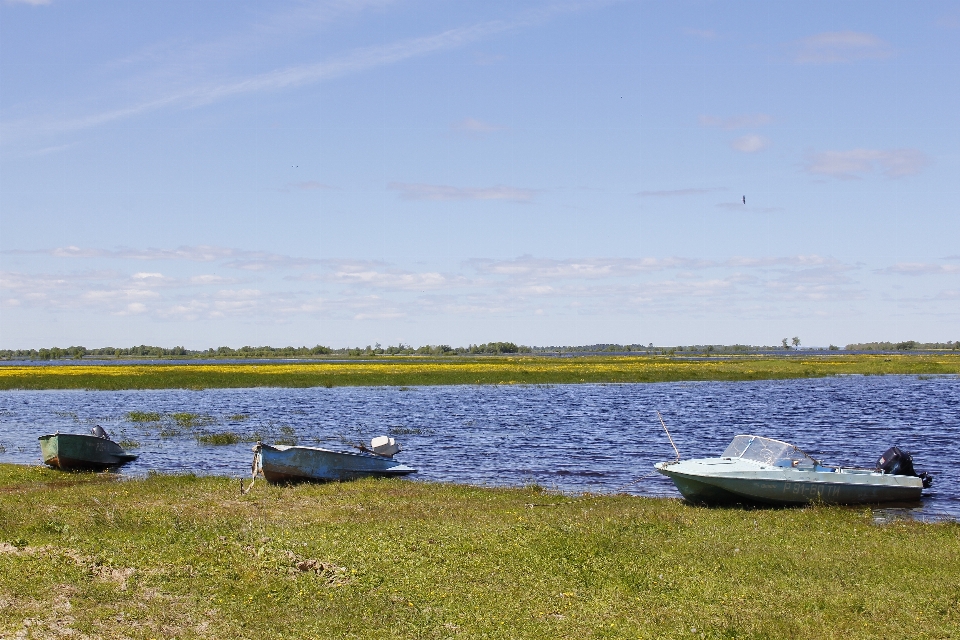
<point x="280" y="463"/>
<point x="762" y="471"/>
<point x="83" y="452"/>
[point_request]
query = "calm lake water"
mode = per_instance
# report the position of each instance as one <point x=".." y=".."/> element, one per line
<point x="572" y="438"/>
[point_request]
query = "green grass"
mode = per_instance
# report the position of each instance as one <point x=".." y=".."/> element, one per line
<point x="222" y="438"/>
<point x="405" y="372"/>
<point x="144" y="416"/>
<point x="189" y="557"/>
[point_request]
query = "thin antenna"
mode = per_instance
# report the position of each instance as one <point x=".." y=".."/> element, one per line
<point x="668" y="435"/>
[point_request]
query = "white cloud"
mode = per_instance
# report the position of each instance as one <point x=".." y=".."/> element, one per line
<point x="378" y="275"/>
<point x="377" y="290"/>
<point x="921" y="269"/>
<point x="475" y="127"/>
<point x="35" y="3"/>
<point x="893" y="163"/>
<point x="736" y="122"/>
<point x="123" y="293"/>
<point x="440" y="192"/>
<point x="841" y="46"/>
<point x="664" y="193"/>
<point x="529" y="268"/>
<point x="750" y="143"/>
<point x="209" y="279"/>
<point x="153" y="277"/>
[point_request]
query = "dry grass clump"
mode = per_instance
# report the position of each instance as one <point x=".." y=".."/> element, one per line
<point x="189" y="557"/>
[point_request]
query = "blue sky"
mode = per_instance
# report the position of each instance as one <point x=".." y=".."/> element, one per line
<point x="347" y="172"/>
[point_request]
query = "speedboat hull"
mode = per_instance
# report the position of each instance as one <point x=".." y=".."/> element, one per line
<point x="709" y="480"/>
<point x="298" y="464"/>
<point x="718" y="480"/>
<point x="80" y="452"/>
<point x="758" y="469"/>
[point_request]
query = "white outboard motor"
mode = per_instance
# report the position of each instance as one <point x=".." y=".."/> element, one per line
<point x="384" y="446"/>
<point x="100" y="432"/>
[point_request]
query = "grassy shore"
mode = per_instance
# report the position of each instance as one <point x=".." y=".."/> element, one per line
<point x="189" y="557"/>
<point x="488" y="370"/>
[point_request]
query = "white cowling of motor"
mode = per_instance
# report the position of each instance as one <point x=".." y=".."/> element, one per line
<point x="384" y="446"/>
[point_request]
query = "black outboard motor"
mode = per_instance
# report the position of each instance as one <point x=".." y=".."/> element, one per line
<point x="898" y="462"/>
<point x="100" y="432"/>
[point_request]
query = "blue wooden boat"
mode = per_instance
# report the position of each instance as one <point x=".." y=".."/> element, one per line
<point x="280" y="463"/>
<point x="758" y="469"/>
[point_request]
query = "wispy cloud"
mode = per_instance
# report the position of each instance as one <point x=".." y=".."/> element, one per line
<point x="45" y="151"/>
<point x="703" y="34"/>
<point x="921" y="269"/>
<point x="485" y="59"/>
<point x="379" y="275"/>
<point x="949" y="20"/>
<point x="741" y="206"/>
<point x="750" y="143"/>
<point x="35" y="3"/>
<point x="439" y="192"/>
<point x="841" y="46"/>
<point x="233" y="258"/>
<point x="474" y="127"/>
<point x="311" y="185"/>
<point x="209" y="278"/>
<point x="893" y="163"/>
<point x="200" y="253"/>
<point x="529" y="268"/>
<point x="356" y="61"/>
<point x="669" y="193"/>
<point x="736" y="122"/>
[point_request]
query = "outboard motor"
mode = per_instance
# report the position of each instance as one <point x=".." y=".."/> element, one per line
<point x="100" y="432"/>
<point x="384" y="446"/>
<point x="898" y="462"/>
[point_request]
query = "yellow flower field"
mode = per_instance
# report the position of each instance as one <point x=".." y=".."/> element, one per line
<point x="487" y="370"/>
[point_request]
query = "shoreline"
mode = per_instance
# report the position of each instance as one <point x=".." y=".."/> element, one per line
<point x="490" y="370"/>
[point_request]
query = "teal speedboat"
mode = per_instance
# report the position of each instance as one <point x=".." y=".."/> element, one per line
<point x="757" y="469"/>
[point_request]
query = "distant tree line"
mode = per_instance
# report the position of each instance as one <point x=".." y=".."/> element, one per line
<point x="264" y="352"/>
<point x="907" y="345"/>
<point x="488" y="348"/>
<point x="491" y="348"/>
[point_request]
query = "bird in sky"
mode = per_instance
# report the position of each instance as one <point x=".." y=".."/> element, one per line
<point x="744" y="199"/>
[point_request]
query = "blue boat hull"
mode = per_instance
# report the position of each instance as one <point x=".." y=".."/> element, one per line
<point x="313" y="464"/>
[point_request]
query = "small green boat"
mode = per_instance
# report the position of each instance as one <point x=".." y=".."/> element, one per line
<point x="75" y="451"/>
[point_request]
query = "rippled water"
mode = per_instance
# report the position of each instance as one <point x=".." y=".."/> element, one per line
<point x="569" y="437"/>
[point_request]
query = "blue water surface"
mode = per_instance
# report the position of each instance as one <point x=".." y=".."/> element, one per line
<point x="581" y="437"/>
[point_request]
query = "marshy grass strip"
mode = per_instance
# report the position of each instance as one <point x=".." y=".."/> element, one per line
<point x="404" y="372"/>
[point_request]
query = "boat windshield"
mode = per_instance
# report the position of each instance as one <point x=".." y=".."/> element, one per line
<point x="767" y="451"/>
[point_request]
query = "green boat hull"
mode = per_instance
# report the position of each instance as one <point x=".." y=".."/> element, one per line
<point x="77" y="452"/>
